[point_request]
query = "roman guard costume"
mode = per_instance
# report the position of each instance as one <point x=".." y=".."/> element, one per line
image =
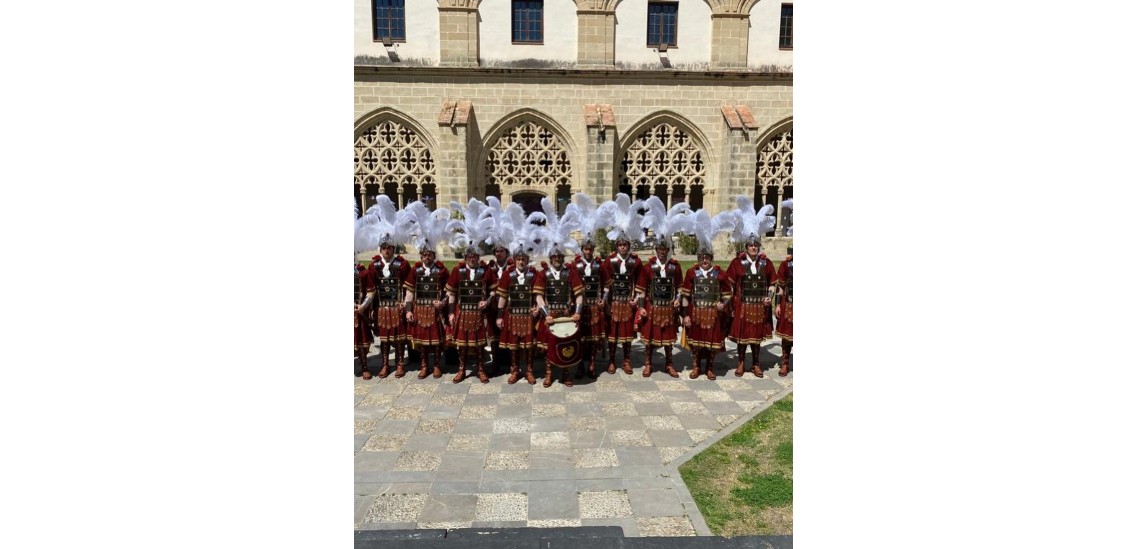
<point x="624" y="271"/>
<point x="426" y="284"/>
<point x="389" y="278"/>
<point x="750" y="278"/>
<point x="516" y="307"/>
<point x="660" y="283"/>
<point x="364" y="294"/>
<point x="784" y="310"/>
<point x="705" y="295"/>
<point x="594" y="273"/>
<point x="469" y="292"/>
<point x="497" y="268"/>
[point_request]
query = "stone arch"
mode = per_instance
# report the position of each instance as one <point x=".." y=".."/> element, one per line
<point x="394" y="155"/>
<point x="774" y="169"/>
<point x="527" y="151"/>
<point x="664" y="155"/>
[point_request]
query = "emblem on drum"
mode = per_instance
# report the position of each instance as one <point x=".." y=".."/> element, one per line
<point x="567" y="351"/>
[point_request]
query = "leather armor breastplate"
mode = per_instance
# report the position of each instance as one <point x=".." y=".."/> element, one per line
<point x="518" y="295"/>
<point x="558" y="291"/>
<point x="388" y="288"/>
<point x="706" y="290"/>
<point x="470" y="292"/>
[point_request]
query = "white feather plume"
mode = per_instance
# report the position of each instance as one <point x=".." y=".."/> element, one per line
<point x="625" y="219"/>
<point x="752" y="225"/>
<point x="476" y="227"/>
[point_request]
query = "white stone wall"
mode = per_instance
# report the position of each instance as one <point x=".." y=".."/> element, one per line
<point x="422" y="32"/>
<point x="694" y="32"/>
<point x="559" y="33"/>
<point x="764" y="33"/>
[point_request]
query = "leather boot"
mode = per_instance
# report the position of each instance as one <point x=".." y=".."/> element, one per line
<point x="549" y="377"/>
<point x="566" y="378"/>
<point x="648" y="368"/>
<point x="384" y="350"/>
<point x="530" y="366"/>
<point x="626" y="359"/>
<point x="436" y="358"/>
<point x="740" y="361"/>
<point x="400" y="371"/>
<point x="694" y="372"/>
<point x="590" y="367"/>
<point x="423" y="361"/>
<point x="670" y="362"/>
<point x="461" y="375"/>
<point x="482" y="378"/>
<point x="612" y="368"/>
<point x="513" y="368"/>
<point x="757" y="362"/>
<point x="362" y="354"/>
<point x="784" y="371"/>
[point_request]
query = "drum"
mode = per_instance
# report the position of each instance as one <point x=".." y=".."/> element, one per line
<point x="563" y="346"/>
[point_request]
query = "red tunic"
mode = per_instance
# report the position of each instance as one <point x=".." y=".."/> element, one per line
<point x="707" y="324"/>
<point x="363" y="285"/>
<point x="660" y="326"/>
<point x="392" y="322"/>
<point x="751" y="316"/>
<point x="469" y="328"/>
<point x="785" y="319"/>
<point x="518" y="330"/>
<point x="428" y="330"/>
<point x="619" y="312"/>
<point x="593" y="323"/>
<point x="492" y="311"/>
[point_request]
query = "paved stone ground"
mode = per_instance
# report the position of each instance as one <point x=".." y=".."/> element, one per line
<point x="433" y="454"/>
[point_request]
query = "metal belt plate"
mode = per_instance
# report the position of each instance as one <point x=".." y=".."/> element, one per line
<point x="388" y="289"/>
<point x="662" y="290"/>
<point x="426" y="288"/>
<point x="706" y="291"/>
<point x="470" y="292"/>
<point x="754" y="288"/>
<point x="519" y="298"/>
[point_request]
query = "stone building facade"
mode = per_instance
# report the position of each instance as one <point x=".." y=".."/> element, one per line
<point x="480" y="115"/>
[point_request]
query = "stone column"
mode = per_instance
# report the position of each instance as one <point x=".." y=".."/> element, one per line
<point x="596" y="33"/>
<point x="601" y="139"/>
<point x="458" y="33"/>
<point x="456" y="131"/>
<point x="738" y="157"/>
<point x="730" y="41"/>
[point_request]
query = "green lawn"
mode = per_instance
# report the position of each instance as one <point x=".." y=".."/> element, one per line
<point x="743" y="484"/>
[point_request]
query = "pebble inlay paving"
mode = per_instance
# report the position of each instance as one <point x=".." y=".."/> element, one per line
<point x="433" y="454"/>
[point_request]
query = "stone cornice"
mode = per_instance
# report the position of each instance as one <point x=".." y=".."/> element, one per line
<point x="367" y="73"/>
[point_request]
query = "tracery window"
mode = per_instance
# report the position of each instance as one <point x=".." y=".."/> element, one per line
<point x="391" y="159"/>
<point x="775" y="174"/>
<point x="528" y="156"/>
<point x="664" y="161"/>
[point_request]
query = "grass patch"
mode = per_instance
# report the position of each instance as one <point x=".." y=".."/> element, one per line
<point x="743" y="484"/>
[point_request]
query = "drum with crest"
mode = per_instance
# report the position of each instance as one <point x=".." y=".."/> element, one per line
<point x="563" y="345"/>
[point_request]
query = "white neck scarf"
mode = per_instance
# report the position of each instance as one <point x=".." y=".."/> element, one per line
<point x="426" y="269"/>
<point x="587" y="273"/>
<point x="706" y="272"/>
<point x="471" y="273"/>
<point x="752" y="264"/>
<point x="386" y="268"/>
<point x="623" y="269"/>
<point x="555" y="272"/>
<point x="521" y="276"/>
<point x="501" y="268"/>
<point x="661" y="266"/>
